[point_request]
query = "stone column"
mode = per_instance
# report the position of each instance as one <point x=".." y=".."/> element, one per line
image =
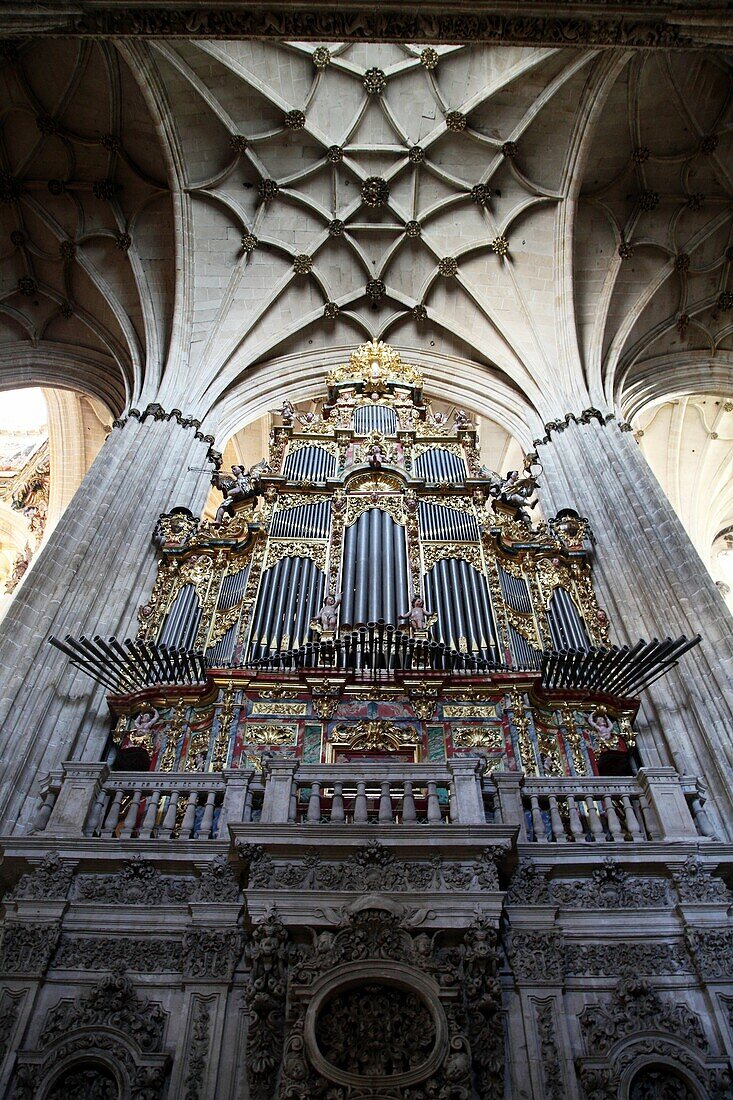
<point x="652" y="583"/>
<point x="90" y="578"/>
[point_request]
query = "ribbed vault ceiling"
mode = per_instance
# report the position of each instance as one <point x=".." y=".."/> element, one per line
<point x="176" y="214"/>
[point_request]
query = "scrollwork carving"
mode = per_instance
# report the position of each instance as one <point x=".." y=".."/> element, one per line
<point x="27" y="948"/>
<point x="210" y="953"/>
<point x="50" y="879"/>
<point x="536" y="956"/>
<point x="138" y="882"/>
<point x="610" y="887"/>
<point x="112" y="1002"/>
<point x="265" y="999"/>
<point x="636" y="1007"/>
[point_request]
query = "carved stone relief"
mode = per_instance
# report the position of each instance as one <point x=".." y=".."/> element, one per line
<point x="148" y="954"/>
<point x="119" y="1035"/>
<point x="636" y="1007"/>
<point x="138" y="882"/>
<point x="50" y="880"/>
<point x="27" y="948"/>
<point x="198" y="1048"/>
<point x="371" y="867"/>
<point x="374" y="1009"/>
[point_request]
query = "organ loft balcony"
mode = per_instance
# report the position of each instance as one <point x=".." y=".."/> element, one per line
<point x="372" y="641"/>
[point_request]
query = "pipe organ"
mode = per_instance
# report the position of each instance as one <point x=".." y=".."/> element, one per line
<point x="380" y="590"/>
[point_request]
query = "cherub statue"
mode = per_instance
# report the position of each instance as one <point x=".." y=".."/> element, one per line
<point x="438" y="419"/>
<point x="376" y="457"/>
<point x="418" y="618"/>
<point x="327" y="616"/>
<point x="287" y="412"/>
<point x="602" y="724"/>
<point x="142" y="732"/>
<point x="243" y="485"/>
<point x="462" y="419"/>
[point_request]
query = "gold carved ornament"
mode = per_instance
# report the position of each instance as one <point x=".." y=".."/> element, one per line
<point x="478" y="737"/>
<point x="221" y="745"/>
<point x="376" y="734"/>
<point x="296" y="548"/>
<point x="325" y="445"/>
<point x="393" y="505"/>
<point x="439" y="445"/>
<point x="375" y="364"/>
<point x="285" y="710"/>
<point x="434" y="552"/>
<point x="261" y="733"/>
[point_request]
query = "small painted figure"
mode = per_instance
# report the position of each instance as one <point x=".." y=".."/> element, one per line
<point x="243" y="485"/>
<point x="327" y="615"/>
<point x="287" y="412"/>
<point x="376" y="457"/>
<point x="602" y="724"/>
<point x="417" y="617"/>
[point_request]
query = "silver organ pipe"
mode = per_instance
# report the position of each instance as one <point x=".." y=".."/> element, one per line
<point x="309" y="464"/>
<point x="290" y="595"/>
<point x="370" y="590"/>
<point x="515" y="592"/>
<point x="181" y="624"/>
<point x="440" y="464"/>
<point x="374" y="418"/>
<point x="566" y="626"/>
<point x="524" y="655"/>
<point x="439" y="522"/>
<point x="230" y="594"/>
<point x="458" y="593"/>
<point x="348" y="575"/>
<point x="305" y="521"/>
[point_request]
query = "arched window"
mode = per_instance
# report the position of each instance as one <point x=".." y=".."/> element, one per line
<point x="85" y="1081"/>
<point x="659" y="1082"/>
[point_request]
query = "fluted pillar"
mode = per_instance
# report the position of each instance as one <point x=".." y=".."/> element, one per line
<point x="652" y="583"/>
<point x="90" y="578"/>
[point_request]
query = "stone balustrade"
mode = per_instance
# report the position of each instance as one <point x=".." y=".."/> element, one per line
<point x="656" y="804"/>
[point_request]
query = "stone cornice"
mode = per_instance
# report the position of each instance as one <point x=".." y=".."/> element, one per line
<point x="157" y="412"/>
<point x="657" y="24"/>
<point x="584" y="417"/>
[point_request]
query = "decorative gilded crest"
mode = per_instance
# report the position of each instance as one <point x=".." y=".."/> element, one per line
<point x="375" y="364"/>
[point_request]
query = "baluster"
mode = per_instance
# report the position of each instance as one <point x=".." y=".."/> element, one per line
<point x="434" y="814"/>
<point x="576" y="825"/>
<point x="314" y="804"/>
<point x="169" y="821"/>
<point x="113" y="816"/>
<point x="131" y="815"/>
<point x="45" y="810"/>
<point x="208" y="817"/>
<point x="556" y="822"/>
<point x="703" y="824"/>
<point x="337" y="804"/>
<point x="96" y="817"/>
<point x="189" y="817"/>
<point x="293" y="804"/>
<point x="360" y="804"/>
<point x="614" y="825"/>
<point x="151" y="812"/>
<point x="409" y="816"/>
<point x="452" y="802"/>
<point x="596" y="825"/>
<point x="385" y="804"/>
<point x="247" y="811"/>
<point x="632" y="824"/>
<point x="538" y="821"/>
